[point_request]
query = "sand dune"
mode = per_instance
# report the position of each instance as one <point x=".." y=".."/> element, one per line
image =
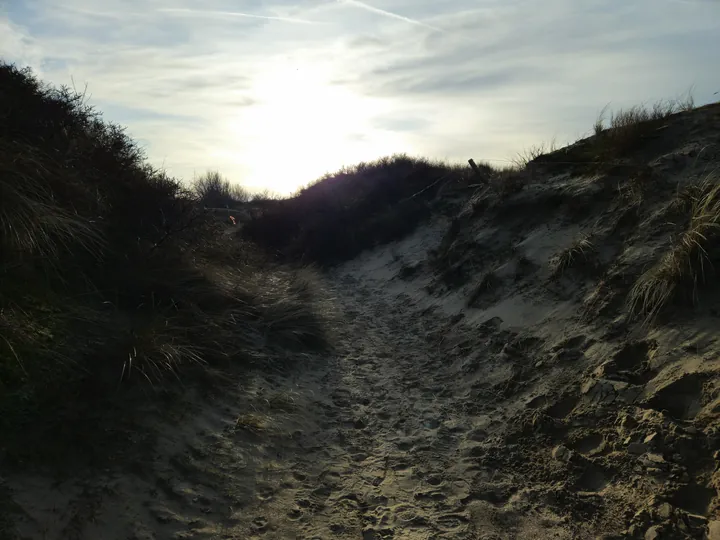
<point x="484" y="385"/>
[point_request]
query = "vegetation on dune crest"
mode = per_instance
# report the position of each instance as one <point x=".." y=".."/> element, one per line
<point x="215" y="191"/>
<point x="615" y="139"/>
<point x="356" y="208"/>
<point x="630" y="127"/>
<point x="110" y="270"/>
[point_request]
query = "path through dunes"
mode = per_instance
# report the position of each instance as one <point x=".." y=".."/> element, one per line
<point x="379" y="440"/>
<point x="494" y="375"/>
<point x="420" y="425"/>
<point x="487" y="353"/>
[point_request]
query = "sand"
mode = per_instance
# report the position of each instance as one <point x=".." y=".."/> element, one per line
<point x="379" y="440"/>
<point x="415" y="428"/>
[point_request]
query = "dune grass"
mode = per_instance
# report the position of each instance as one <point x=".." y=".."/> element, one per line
<point x="628" y="129"/>
<point x="689" y="261"/>
<point x="526" y="156"/>
<point x="617" y="137"/>
<point x="580" y="253"/>
<point x="343" y="213"/>
<point x="112" y="276"/>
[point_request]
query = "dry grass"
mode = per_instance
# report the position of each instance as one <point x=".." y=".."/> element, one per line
<point x="506" y="181"/>
<point x="689" y="261"/>
<point x="522" y="158"/>
<point x="31" y="222"/>
<point x="509" y="180"/>
<point x="628" y="129"/>
<point x="684" y="200"/>
<point x="599" y="125"/>
<point x="634" y="190"/>
<point x="581" y="252"/>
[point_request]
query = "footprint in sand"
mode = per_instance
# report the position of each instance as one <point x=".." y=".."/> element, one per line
<point x="265" y="493"/>
<point x="434" y="480"/>
<point x="260" y="524"/>
<point x="451" y="522"/>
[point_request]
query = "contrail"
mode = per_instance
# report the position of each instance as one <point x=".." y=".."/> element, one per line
<point x="235" y="14"/>
<point x="390" y="14"/>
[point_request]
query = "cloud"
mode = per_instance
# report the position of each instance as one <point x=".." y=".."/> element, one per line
<point x="211" y="13"/>
<point x="402" y="123"/>
<point x="366" y="42"/>
<point x="275" y="92"/>
<point x="16" y="44"/>
<point x="385" y="13"/>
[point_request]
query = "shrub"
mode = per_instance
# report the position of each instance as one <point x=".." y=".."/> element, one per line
<point x="215" y="191"/>
<point x="341" y="214"/>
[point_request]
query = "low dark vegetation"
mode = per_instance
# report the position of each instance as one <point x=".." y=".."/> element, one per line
<point x="215" y="191"/>
<point x="619" y="139"/>
<point x="111" y="272"/>
<point x="357" y="208"/>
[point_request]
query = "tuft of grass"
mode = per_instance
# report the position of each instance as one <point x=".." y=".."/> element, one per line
<point x="581" y="252"/>
<point x="686" y="266"/>
<point x="638" y="184"/>
<point x="489" y="282"/>
<point x="599" y="125"/>
<point x="684" y="200"/>
<point x="522" y="158"/>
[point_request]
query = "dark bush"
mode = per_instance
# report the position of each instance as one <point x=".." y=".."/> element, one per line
<point x="340" y="215"/>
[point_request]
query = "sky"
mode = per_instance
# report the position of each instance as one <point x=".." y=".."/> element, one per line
<point x="275" y="93"/>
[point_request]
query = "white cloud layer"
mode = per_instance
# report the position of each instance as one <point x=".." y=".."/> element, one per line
<point x="274" y="93"/>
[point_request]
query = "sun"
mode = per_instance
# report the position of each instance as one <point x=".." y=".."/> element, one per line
<point x="303" y="126"/>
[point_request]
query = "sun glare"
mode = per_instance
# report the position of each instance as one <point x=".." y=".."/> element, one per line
<point x="303" y="126"/>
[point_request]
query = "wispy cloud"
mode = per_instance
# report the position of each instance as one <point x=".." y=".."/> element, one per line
<point x="211" y="13"/>
<point x="372" y="9"/>
<point x="270" y="98"/>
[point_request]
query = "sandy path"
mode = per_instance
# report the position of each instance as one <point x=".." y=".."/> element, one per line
<point x="377" y="456"/>
<point x="379" y="440"/>
<point x="393" y="471"/>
